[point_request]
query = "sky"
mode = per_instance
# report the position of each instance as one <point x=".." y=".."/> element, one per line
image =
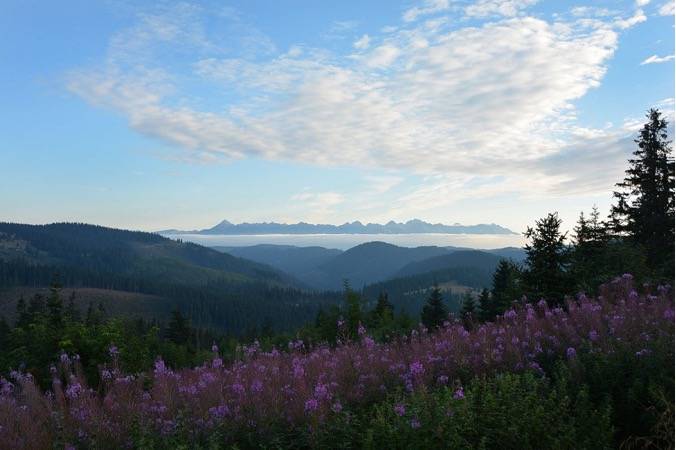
<point x="156" y="115"/>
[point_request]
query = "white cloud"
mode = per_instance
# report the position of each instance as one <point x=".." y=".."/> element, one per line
<point x="317" y="207"/>
<point x="654" y="59"/>
<point x="319" y="199"/>
<point x="362" y="43"/>
<point x="494" y="100"/>
<point x="667" y="9"/>
<point x="637" y="18"/>
<point x="509" y="8"/>
<point x="428" y="7"/>
<point x="640" y="3"/>
<point x="382" y="56"/>
<point x="380" y="184"/>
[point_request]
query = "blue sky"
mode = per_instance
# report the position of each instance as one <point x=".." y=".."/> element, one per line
<point x="179" y="114"/>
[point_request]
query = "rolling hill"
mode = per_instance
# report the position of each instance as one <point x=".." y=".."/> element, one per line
<point x="297" y="261"/>
<point x="372" y="262"/>
<point x="216" y="289"/>
<point x="477" y="259"/>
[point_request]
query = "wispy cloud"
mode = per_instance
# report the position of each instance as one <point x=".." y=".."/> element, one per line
<point x="427" y="7"/>
<point x="667" y="9"/>
<point x="495" y="100"/>
<point x="508" y="8"/>
<point x="638" y="17"/>
<point x="362" y="43"/>
<point x="654" y="59"/>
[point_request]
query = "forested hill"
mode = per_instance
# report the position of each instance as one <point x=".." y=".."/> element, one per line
<point x="126" y="252"/>
<point x="215" y="289"/>
<point x="487" y="262"/>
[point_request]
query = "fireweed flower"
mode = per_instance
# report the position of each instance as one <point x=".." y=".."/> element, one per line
<point x="459" y="393"/>
<point x="311" y="405"/>
<point x="256" y="386"/>
<point x="416" y="368"/>
<point x="160" y="368"/>
<point x="415" y="423"/>
<point x="307" y="378"/>
<point x="571" y="353"/>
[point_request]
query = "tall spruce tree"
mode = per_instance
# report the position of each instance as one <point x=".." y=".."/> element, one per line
<point x="589" y="256"/>
<point x="468" y="305"/>
<point x="383" y="312"/>
<point x="546" y="260"/>
<point x="434" y="312"/>
<point x="645" y="200"/>
<point x="353" y="310"/>
<point x="468" y="310"/>
<point x="487" y="310"/>
<point x="178" y="330"/>
<point x="507" y="287"/>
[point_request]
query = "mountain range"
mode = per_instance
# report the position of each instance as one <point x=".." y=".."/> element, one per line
<point x="414" y="226"/>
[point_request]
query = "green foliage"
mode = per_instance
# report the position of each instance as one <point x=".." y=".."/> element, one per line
<point x="434" y="313"/>
<point x="353" y="311"/>
<point x="487" y="311"/>
<point x="506" y="412"/>
<point x="507" y="288"/>
<point x="547" y="258"/>
<point x="645" y="202"/>
<point x="178" y="330"/>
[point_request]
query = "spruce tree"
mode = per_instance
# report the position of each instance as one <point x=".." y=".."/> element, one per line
<point x="487" y="309"/>
<point x="467" y="310"/>
<point x="434" y="313"/>
<point x="546" y="260"/>
<point x="384" y="310"/>
<point x="588" y="259"/>
<point x="507" y="287"/>
<point x="178" y="330"/>
<point x="644" y="211"/>
<point x="55" y="304"/>
<point x="36" y="308"/>
<point x="353" y="312"/>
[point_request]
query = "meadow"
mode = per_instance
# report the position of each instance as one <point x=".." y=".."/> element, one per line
<point x="593" y="373"/>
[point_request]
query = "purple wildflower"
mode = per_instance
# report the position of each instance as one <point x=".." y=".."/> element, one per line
<point x="459" y="393"/>
<point x="311" y="405"/>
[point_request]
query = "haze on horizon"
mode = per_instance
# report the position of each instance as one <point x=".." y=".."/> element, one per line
<point x="179" y="115"/>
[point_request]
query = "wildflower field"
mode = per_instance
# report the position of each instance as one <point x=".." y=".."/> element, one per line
<point x="595" y="373"/>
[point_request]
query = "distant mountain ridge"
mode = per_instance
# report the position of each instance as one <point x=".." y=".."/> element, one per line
<point x="413" y="226"/>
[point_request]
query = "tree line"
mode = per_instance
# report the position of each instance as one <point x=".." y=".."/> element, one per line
<point x="637" y="237"/>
